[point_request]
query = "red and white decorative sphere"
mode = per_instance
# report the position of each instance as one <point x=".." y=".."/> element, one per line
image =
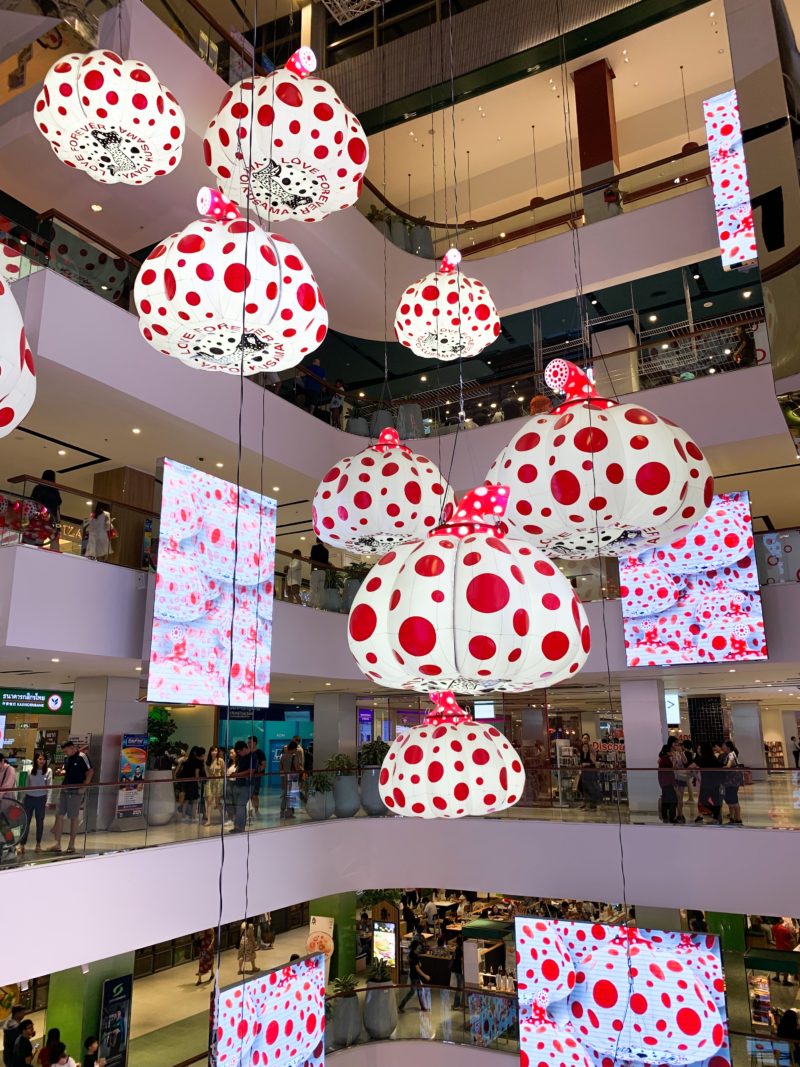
<point x="543" y="963"/>
<point x="450" y="767"/>
<point x="383" y="496"/>
<point x="721" y="538"/>
<point x="225" y="295"/>
<point x="287" y="143"/>
<point x="545" y="1043"/>
<point x="468" y="609"/>
<point x="17" y="370"/>
<point x="447" y="315"/>
<point x="110" y="117"/>
<point x="599" y="478"/>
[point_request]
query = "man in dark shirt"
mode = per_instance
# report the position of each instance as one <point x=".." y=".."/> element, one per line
<point x="416" y="977"/>
<point x="319" y="558"/>
<point x="258" y="766"/>
<point x="78" y="773"/>
<point x="11" y="1033"/>
<point x="241" y="785"/>
<point x="23" y="1046"/>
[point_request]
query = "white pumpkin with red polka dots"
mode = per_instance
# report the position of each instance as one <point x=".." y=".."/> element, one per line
<point x="543" y="963"/>
<point x="450" y="767"/>
<point x="543" y="1043"/>
<point x="17" y="371"/>
<point x="648" y="589"/>
<point x="277" y="1018"/>
<point x="468" y="609"/>
<point x="225" y="295"/>
<point x="383" y="496"/>
<point x="110" y="117"/>
<point x="721" y="538"/>
<point x="447" y="315"/>
<point x="287" y="143"/>
<point x="597" y="477"/>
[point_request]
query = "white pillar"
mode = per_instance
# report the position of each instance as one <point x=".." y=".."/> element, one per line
<point x="615" y="375"/>
<point x="747" y="734"/>
<point x="658" y="918"/>
<point x="335" y="726"/>
<point x="645" y="728"/>
<point x="106" y="708"/>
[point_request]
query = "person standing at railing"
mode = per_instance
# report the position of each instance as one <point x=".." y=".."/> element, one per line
<point x="290" y="779"/>
<point x="678" y="758"/>
<point x="294" y="577"/>
<point x="666" y="780"/>
<point x="240" y="785"/>
<point x="588" y="777"/>
<point x="709" y="789"/>
<point x="40" y="781"/>
<point x="336" y="404"/>
<point x="78" y="773"/>
<point x="745" y="353"/>
<point x="457" y="970"/>
<point x="49" y="497"/>
<point x="215" y="772"/>
<point x="319" y="556"/>
<point x="98" y="527"/>
<point x="733" y="778"/>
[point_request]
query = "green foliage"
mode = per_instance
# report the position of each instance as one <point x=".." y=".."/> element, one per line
<point x="341" y="764"/>
<point x="334" y="579"/>
<point x="379" y="972"/>
<point x="368" y="898"/>
<point x="319" y="783"/>
<point x="373" y="753"/>
<point x="358" y="571"/>
<point x="160" y="728"/>
<point x="346" y="985"/>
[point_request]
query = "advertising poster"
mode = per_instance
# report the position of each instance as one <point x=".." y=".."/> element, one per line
<point x="320" y="939"/>
<point x="619" y="995"/>
<point x="132" y="765"/>
<point x="115" y="1018"/>
<point x="697" y="599"/>
<point x="384" y="943"/>
<point x="208" y="531"/>
<point x="489" y="1017"/>
<point x="275" y="1017"/>
<point x="737" y="240"/>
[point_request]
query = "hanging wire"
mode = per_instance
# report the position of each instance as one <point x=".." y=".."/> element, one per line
<point x="385" y="388"/>
<point x="685" y="106"/>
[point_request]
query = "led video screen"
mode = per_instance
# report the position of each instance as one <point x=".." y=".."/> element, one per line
<point x="737" y="240"/>
<point x="696" y="600"/>
<point x="275" y="1017"/>
<point x="613" y="995"/>
<point x="212" y="630"/>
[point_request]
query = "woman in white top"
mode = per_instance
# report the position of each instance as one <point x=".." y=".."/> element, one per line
<point x="34" y="800"/>
<point x="60" y="1057"/>
<point x="294" y="577"/>
<point x="98" y="527"/>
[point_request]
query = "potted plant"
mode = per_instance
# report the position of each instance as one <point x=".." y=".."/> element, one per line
<point x="346" y="797"/>
<point x="355" y="574"/>
<point x="371" y="759"/>
<point x="319" y="795"/>
<point x="380" y="1004"/>
<point x="346" y="1012"/>
<point x="382" y="419"/>
<point x="332" y="593"/>
<point x="159" y="801"/>
<point x="356" y="421"/>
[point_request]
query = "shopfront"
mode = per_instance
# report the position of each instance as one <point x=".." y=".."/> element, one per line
<point x="32" y="719"/>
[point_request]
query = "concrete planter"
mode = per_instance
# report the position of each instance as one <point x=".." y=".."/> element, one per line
<point x="320" y="805"/>
<point x="351" y="587"/>
<point x="159" y="798"/>
<point x="370" y="795"/>
<point x="358" y="425"/>
<point x="347" y="799"/>
<point x="346" y="1025"/>
<point x="381" y="420"/>
<point x="380" y="1010"/>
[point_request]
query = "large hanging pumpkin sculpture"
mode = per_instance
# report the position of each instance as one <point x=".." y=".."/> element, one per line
<point x="381" y="497"/>
<point x="110" y="117"/>
<point x="225" y="295"/>
<point x="287" y="143"/>
<point x="596" y="477"/>
<point x="450" y="766"/>
<point x="17" y="371"/>
<point x="468" y="609"/>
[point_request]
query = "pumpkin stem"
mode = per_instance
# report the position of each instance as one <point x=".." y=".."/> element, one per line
<point x="302" y="62"/>
<point x="564" y="377"/>
<point x="450" y="262"/>
<point x="446" y="710"/>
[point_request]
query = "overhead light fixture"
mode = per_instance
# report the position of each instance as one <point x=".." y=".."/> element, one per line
<point x="727" y="351"/>
<point x="55" y="659"/>
<point x="220" y="464"/>
<point x="276" y="489"/>
<point x="696" y="277"/>
<point x="327" y="683"/>
<point x="137" y="668"/>
<point x="664" y="346"/>
<point x="96" y="207"/>
<point x="731" y="670"/>
<point x="747" y="293"/>
<point x="62" y="451"/>
<point x="708" y="304"/>
<point x="593" y="301"/>
<point x="493" y="405"/>
<point x="502" y="235"/>
<point x="88" y="503"/>
<point x="653" y="318"/>
<point x="302" y="538"/>
<point x="712" y="370"/>
<point x="362" y="395"/>
<point x="423" y="377"/>
<point x="136" y="430"/>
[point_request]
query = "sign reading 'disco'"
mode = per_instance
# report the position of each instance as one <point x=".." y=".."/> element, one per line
<point x="45" y="701"/>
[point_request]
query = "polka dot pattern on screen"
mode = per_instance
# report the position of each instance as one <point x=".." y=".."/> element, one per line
<point x="596" y="474"/>
<point x="450" y="767"/>
<point x="198" y="288"/>
<point x="468" y="609"/>
<point x="383" y="496"/>
<point x="17" y="370"/>
<point x="288" y="144"/>
<point x="446" y="315"/>
<point x="274" y="1018"/>
<point x="110" y="117"/>
<point x="729" y="180"/>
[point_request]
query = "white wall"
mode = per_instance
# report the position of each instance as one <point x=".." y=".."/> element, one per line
<point x="172" y="890"/>
<point x="420" y="1053"/>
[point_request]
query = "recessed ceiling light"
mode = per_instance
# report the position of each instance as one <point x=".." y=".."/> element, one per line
<point x="731" y="670"/>
<point x="89" y="503"/>
<point x="276" y="489"/>
<point x="636" y="85"/>
<point x="423" y="377"/>
<point x="727" y="351"/>
<point x="136" y="430"/>
<point x="137" y="668"/>
<point x="480" y="403"/>
<point x="696" y="277"/>
<point x="292" y="699"/>
<point x="105" y="287"/>
<point x="664" y="346"/>
<point x="747" y="293"/>
<point x="712" y="370"/>
<point x="594" y="302"/>
<point x="653" y="318"/>
<point x="62" y="451"/>
<point x="302" y="538"/>
<point x="502" y="234"/>
<point x="362" y="395"/>
<point x="708" y="304"/>
<point x="327" y="683"/>
<point x="55" y="659"/>
<point x="96" y="207"/>
<point x="220" y="464"/>
<point x="493" y="405"/>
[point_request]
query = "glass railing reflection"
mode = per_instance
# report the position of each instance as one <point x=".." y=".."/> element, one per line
<point x="778" y="557"/>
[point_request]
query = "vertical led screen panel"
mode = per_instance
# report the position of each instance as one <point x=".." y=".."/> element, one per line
<point x="197" y="599"/>
<point x="737" y="241"/>
<point x="276" y="1017"/>
<point x="696" y="600"/>
<point x="613" y="995"/>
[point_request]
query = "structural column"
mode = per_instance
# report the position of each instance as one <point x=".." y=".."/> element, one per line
<point x="597" y="138"/>
<point x="747" y="734"/>
<point x="335" y="726"/>
<point x="645" y="727"/>
<point x="106" y="708"/>
<point x="75" y="995"/>
<point x="615" y="375"/>
<point x="341" y="907"/>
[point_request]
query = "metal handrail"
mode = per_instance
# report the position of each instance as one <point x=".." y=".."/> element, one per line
<point x="24" y="478"/>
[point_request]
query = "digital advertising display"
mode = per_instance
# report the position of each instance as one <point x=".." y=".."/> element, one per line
<point x="275" y="1017"/>
<point x="384" y="943"/>
<point x="737" y="240"/>
<point x="696" y="600"/>
<point x="617" y="995"/>
<point x="203" y="537"/>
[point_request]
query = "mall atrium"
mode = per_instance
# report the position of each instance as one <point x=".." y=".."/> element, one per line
<point x="400" y="533"/>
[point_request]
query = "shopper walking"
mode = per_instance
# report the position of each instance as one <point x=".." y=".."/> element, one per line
<point x="796" y="752"/>
<point x="215" y="773"/>
<point x="40" y="781"/>
<point x="733" y="778"/>
<point x="457" y="970"/>
<point x="78" y="773"/>
<point x="189" y="775"/>
<point x="240" y="786"/>
<point x="11" y="1033"/>
<point x="49" y="497"/>
<point x="205" y="959"/>
<point x="247" y="948"/>
<point x="666" y="780"/>
<point x="61" y="1057"/>
<point x="294" y="577"/>
<point x="290" y="781"/>
<point x="45" y="1057"/>
<point x="23" y="1046"/>
<point x="709" y="790"/>
<point x="98" y="528"/>
<point x="417" y="977"/>
<point x="319" y="557"/>
<point x="588" y="777"/>
<point x="258" y="766"/>
<point x="677" y="755"/>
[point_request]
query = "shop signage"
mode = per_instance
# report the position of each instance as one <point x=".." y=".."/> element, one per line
<point x="44" y="701"/>
<point x="132" y="764"/>
<point x="115" y="1018"/>
<point x="320" y="939"/>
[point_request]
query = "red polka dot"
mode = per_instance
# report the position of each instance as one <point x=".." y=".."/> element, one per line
<point x="306" y="297"/>
<point x="555" y="645"/>
<point x="652" y="478"/>
<point x="521" y="622"/>
<point x="289" y="94"/>
<point x="688" y="1021"/>
<point x="363" y="621"/>
<point x="417" y="635"/>
<point x="590" y="439"/>
<point x="605" y="993"/>
<point x="527" y="442"/>
<point x="487" y="593"/>
<point x="429" y="566"/>
<point x="357" y="150"/>
<point x="191" y="242"/>
<point x="435" y="771"/>
<point x="413" y="754"/>
<point x="237" y="277"/>
<point x="640" y="417"/>
<point x="615" y="473"/>
<point x="482" y="647"/>
<point x="565" y="487"/>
